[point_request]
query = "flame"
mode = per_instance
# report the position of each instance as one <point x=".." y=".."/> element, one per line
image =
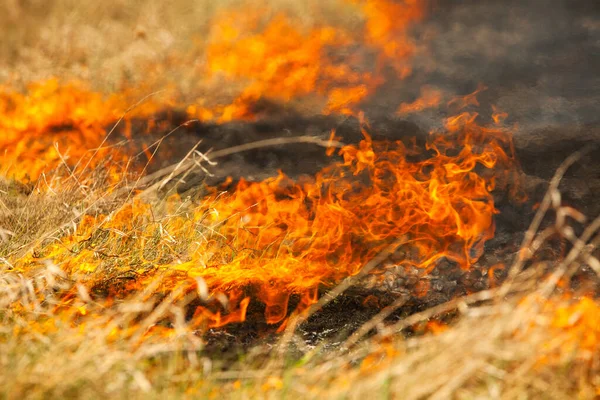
<point x="283" y="62"/>
<point x="278" y="239"/>
<point x="295" y="236"/>
<point x="578" y="325"/>
<point x="387" y="28"/>
<point x="498" y="116"/>
<point x="574" y="325"/>
<point x="278" y="242"/>
<point x="430" y="97"/>
<point x="462" y="102"/>
<point x="279" y="61"/>
<point x="53" y="124"/>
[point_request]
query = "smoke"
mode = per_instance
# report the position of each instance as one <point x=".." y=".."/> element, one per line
<point x="539" y="59"/>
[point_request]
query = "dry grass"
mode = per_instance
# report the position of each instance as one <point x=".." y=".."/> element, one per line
<point x="116" y="43"/>
<point x="61" y="38"/>
<point x="505" y="343"/>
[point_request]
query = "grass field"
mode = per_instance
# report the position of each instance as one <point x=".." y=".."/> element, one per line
<point x="527" y="340"/>
<point x="531" y="337"/>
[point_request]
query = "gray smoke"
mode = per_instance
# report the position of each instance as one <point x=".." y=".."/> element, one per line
<point x="540" y="59"/>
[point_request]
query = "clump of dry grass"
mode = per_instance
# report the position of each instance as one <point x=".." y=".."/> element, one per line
<point x="50" y="347"/>
<point x="31" y="213"/>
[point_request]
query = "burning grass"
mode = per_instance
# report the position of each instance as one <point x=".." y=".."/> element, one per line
<point x="112" y="284"/>
<point x="101" y="306"/>
<point x="279" y="238"/>
<point x="526" y="336"/>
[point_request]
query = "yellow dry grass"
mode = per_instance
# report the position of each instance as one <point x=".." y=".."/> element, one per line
<point x="524" y="339"/>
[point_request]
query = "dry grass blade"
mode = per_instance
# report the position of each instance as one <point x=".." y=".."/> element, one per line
<point x="168" y="178"/>
<point x="525" y="252"/>
<point x="577" y="250"/>
<point x="376" y="320"/>
<point x="181" y="167"/>
<point x="115" y="125"/>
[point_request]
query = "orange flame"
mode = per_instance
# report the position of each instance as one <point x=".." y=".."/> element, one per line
<point x="293" y="237"/>
<point x="387" y="27"/>
<point x="279" y="242"/>
<point x="277" y="61"/>
<point x="462" y="102"/>
<point x="54" y="123"/>
<point x="498" y="116"/>
<point x="282" y="62"/>
<point x="580" y="321"/>
<point x="279" y="238"/>
<point x="430" y="97"/>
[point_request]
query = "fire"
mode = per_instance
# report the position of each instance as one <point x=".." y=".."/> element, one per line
<point x="580" y="323"/>
<point x="283" y="62"/>
<point x="430" y="97"/>
<point x="53" y="124"/>
<point x="387" y="26"/>
<point x="280" y="239"/>
<point x="302" y="234"/>
<point x="572" y="320"/>
<point x="498" y="116"/>
<point x="278" y="60"/>
<point x="462" y="102"/>
<point x="278" y="242"/>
